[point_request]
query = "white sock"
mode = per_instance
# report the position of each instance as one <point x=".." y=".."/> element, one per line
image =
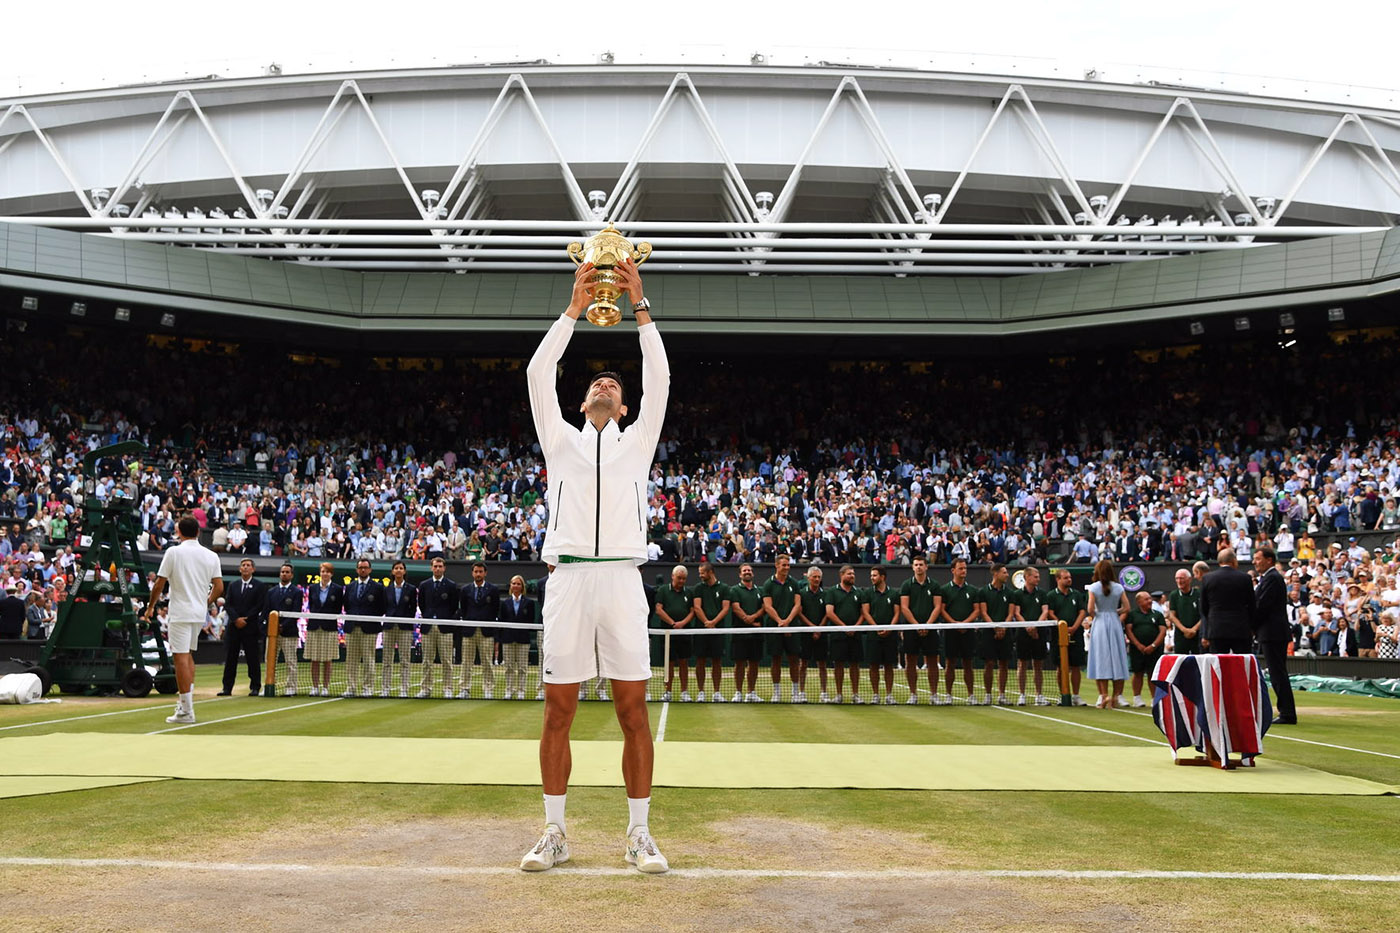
<point x="554" y="809"/>
<point x="637" y="810"/>
<point x="187" y="701"/>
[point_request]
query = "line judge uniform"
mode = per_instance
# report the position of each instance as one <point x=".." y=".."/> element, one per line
<point x="597" y="533"/>
<point x="478" y="603"/>
<point x="400" y="608"/>
<point x="515" y="642"/>
<point x="286" y="601"/>
<point x="437" y="599"/>
<point x="362" y="598"/>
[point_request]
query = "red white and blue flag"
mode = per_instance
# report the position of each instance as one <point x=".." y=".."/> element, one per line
<point x="1215" y="700"/>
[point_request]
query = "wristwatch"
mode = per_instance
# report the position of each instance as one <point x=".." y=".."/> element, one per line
<point x="643" y="304"/>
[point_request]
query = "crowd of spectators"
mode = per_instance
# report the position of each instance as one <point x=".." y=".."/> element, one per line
<point x="1138" y="456"/>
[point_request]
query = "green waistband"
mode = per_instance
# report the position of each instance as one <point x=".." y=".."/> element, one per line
<point x="571" y="559"/>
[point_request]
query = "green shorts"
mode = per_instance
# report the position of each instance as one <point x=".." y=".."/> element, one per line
<point x="959" y="644"/>
<point x="1078" y="657"/>
<point x="881" y="650"/>
<point x="790" y="646"/>
<point x="921" y="644"/>
<point x="1031" y="649"/>
<point x="991" y="648"/>
<point x="746" y="647"/>
<point x="709" y="646"/>
<point x="1139" y="663"/>
<point x="1184" y="645"/>
<point x="843" y="648"/>
<point x="817" y="646"/>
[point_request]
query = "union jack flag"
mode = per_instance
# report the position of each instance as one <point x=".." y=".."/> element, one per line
<point x="1211" y="699"/>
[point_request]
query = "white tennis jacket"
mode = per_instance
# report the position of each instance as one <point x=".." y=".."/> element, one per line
<point x="597" y="482"/>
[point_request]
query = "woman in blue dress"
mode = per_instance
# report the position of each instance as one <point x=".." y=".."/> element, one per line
<point x="1108" y="648"/>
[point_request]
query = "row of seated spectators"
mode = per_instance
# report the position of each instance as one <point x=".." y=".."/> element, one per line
<point x="1136" y="456"/>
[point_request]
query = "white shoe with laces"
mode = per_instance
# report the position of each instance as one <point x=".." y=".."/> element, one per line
<point x="752" y="698"/>
<point x="738" y="697"/>
<point x="858" y="701"/>
<point x="719" y="697"/>
<point x="685" y="696"/>
<point x="889" y="699"/>
<point x="643" y="853"/>
<point x="1137" y="702"/>
<point x="800" y="696"/>
<point x="183" y="716"/>
<point x="912" y="701"/>
<point x="551" y="850"/>
<point x="700" y="696"/>
<point x="825" y="697"/>
<point x="666" y="697"/>
<point x="1020" y="699"/>
<point x="1041" y="700"/>
<point x="1120" y="701"/>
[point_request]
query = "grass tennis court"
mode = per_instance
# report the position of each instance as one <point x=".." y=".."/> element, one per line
<point x="287" y="854"/>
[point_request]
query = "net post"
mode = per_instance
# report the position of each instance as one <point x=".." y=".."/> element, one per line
<point x="270" y="677"/>
<point x="1065" y="698"/>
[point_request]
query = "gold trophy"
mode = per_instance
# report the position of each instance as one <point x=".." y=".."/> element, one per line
<point x="605" y="249"/>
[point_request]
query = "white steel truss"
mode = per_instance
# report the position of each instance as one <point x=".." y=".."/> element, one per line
<point x="906" y="229"/>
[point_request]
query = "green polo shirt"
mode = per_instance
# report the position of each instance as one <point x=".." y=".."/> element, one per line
<point x="1067" y="606"/>
<point x="958" y="601"/>
<point x="997" y="601"/>
<point x="883" y="604"/>
<point x="676" y="604"/>
<point x="1187" y="606"/>
<point x="921" y="597"/>
<point x="814" y="605"/>
<point x="783" y="594"/>
<point x="749" y="599"/>
<point x="845" y="605"/>
<point x="712" y="598"/>
<point x="1030" y="602"/>
<point x="1146" y="625"/>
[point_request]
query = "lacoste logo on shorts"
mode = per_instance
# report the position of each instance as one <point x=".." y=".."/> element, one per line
<point x="549" y="672"/>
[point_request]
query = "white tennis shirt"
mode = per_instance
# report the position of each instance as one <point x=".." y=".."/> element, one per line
<point x="191" y="569"/>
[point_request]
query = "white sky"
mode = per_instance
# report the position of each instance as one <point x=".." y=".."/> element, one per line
<point x="80" y="44"/>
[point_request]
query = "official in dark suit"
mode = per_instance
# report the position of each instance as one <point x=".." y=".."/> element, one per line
<point x="478" y="601"/>
<point x="11" y="615"/>
<point x="515" y="642"/>
<point x="1227" y="606"/>
<point x="245" y="601"/>
<point x="400" y="602"/>
<point x="322" y="645"/>
<point x="437" y="599"/>
<point x="363" y="597"/>
<point x="1272" y="631"/>
<point x="285" y="599"/>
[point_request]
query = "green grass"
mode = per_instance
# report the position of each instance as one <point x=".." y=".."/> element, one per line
<point x="941" y="829"/>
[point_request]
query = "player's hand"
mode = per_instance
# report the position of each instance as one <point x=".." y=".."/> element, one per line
<point x="583" y="293"/>
<point x="629" y="278"/>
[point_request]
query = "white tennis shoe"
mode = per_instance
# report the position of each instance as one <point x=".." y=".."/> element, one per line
<point x="700" y="696"/>
<point x="685" y="696"/>
<point x="551" y="850"/>
<point x="643" y="853"/>
<point x="182" y="715"/>
<point x="719" y="697"/>
<point x="1041" y="700"/>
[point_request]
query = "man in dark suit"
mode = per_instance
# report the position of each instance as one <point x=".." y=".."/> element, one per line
<point x="515" y="642"/>
<point x="363" y="597"/>
<point x="245" y="601"/>
<point x="437" y="599"/>
<point x="1227" y="606"/>
<point x="11" y="615"/>
<point x="400" y="602"/>
<point x="1272" y="631"/>
<point x="478" y="601"/>
<point x="285" y="599"/>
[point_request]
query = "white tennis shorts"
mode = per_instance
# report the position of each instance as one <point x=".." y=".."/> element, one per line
<point x="182" y="637"/>
<point x="595" y="624"/>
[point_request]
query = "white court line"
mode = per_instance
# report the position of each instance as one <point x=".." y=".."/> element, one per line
<point x="119" y="712"/>
<point x="874" y="875"/>
<point x="1293" y="738"/>
<point x="661" y="723"/>
<point x="266" y="712"/>
<point x="1070" y="722"/>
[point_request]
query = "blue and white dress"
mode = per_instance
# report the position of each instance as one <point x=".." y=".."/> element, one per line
<point x="1108" y="647"/>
